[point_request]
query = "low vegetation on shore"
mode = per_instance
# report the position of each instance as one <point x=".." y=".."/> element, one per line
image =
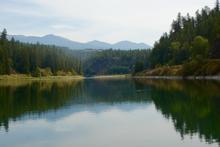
<point x="193" y="68"/>
<point x="23" y="77"/>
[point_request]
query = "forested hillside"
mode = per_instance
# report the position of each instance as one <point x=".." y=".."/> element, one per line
<point x="45" y="60"/>
<point x="191" y="42"/>
<point x="35" y="59"/>
<point x="116" y="62"/>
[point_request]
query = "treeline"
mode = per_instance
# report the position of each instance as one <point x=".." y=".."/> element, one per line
<point x="190" y="40"/>
<point x="116" y="62"/>
<point x="35" y="59"/>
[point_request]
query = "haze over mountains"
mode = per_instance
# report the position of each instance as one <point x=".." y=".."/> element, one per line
<point x="60" y="41"/>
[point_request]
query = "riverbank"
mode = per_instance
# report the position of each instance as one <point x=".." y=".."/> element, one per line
<point x="110" y="76"/>
<point x="21" y="77"/>
<point x="208" y="69"/>
<point x="178" y="77"/>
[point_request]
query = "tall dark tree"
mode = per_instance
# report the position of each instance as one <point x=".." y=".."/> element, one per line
<point x="215" y="52"/>
<point x="5" y="59"/>
<point x="217" y="5"/>
<point x="4" y="35"/>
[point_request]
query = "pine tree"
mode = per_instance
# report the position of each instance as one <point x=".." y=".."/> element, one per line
<point x="5" y="60"/>
<point x="217" y="6"/>
<point x="4" y="35"/>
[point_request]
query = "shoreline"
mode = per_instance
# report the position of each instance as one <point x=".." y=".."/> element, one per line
<point x="109" y="76"/>
<point x="23" y="77"/>
<point x="178" y="77"/>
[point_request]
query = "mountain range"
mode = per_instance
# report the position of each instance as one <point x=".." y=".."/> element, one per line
<point x="64" y="42"/>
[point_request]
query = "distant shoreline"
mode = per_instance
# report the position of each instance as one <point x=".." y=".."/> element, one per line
<point x="23" y="77"/>
<point x="178" y="77"/>
<point x="109" y="76"/>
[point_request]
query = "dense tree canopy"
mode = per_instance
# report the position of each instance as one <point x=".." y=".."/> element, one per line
<point x="115" y="61"/>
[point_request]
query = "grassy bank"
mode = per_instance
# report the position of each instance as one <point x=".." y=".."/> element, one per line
<point x="199" y="69"/>
<point x="162" y="71"/>
<point x="20" y="77"/>
<point x="23" y="77"/>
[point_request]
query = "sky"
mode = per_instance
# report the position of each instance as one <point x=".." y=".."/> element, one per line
<point x="86" y="20"/>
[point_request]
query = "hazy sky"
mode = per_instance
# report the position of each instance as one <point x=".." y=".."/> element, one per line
<point x="104" y="20"/>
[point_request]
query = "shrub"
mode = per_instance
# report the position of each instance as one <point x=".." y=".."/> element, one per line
<point x="46" y="72"/>
<point x="66" y="73"/>
<point x="139" y="66"/>
<point x="212" y="67"/>
<point x="42" y="72"/>
<point x="37" y="72"/>
<point x="190" y="68"/>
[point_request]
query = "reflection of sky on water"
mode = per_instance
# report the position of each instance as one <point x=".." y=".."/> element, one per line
<point x="114" y="126"/>
<point x="53" y="115"/>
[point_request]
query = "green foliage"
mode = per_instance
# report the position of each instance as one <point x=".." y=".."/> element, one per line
<point x="115" y="62"/>
<point x="4" y="35"/>
<point x="139" y="66"/>
<point x="212" y="67"/>
<point x="63" y="73"/>
<point x="215" y="51"/>
<point x="161" y="52"/>
<point x="175" y="46"/>
<point x="73" y="72"/>
<point x="118" y="70"/>
<point x="200" y="47"/>
<point x="37" y="72"/>
<point x="201" y="68"/>
<point x="46" y="72"/>
<point x="191" y="68"/>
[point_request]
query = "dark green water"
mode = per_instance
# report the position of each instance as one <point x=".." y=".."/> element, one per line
<point x="110" y="113"/>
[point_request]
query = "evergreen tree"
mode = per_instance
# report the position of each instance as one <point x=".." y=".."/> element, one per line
<point x="4" y="35"/>
<point x="5" y="59"/>
<point x="139" y="66"/>
<point x="217" y="6"/>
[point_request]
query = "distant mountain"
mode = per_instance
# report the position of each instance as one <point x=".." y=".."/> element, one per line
<point x="130" y="45"/>
<point x="98" y="45"/>
<point x="60" y="41"/>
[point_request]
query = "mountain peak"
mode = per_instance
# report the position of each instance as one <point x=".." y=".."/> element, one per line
<point x="95" y="41"/>
<point x="53" y="36"/>
<point x="50" y="35"/>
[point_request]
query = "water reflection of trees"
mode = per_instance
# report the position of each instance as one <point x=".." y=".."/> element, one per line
<point x="115" y="91"/>
<point x="193" y="106"/>
<point x="33" y="97"/>
<point x="37" y="98"/>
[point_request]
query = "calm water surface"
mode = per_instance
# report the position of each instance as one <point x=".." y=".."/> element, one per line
<point x="110" y="113"/>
